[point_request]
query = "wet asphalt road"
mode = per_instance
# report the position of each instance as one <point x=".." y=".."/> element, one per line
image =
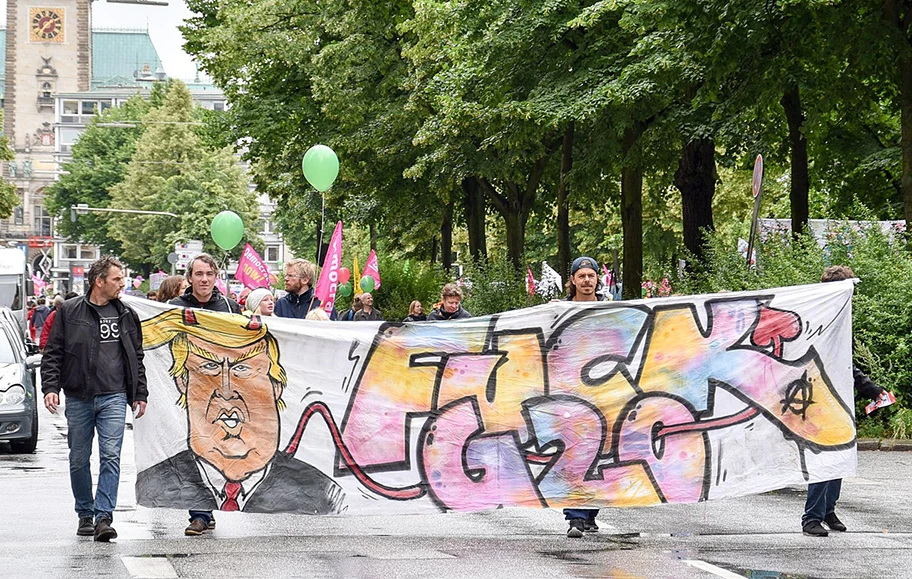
<point x="755" y="536"/>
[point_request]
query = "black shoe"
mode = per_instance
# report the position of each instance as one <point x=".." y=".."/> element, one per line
<point x="86" y="527"/>
<point x="814" y="529"/>
<point x="196" y="527"/>
<point x="833" y="522"/>
<point x="104" y="532"/>
<point x="590" y="526"/>
<point x="576" y="528"/>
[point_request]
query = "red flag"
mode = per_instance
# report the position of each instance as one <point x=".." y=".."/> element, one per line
<point x="530" y="281"/>
<point x="329" y="277"/>
<point x="372" y="268"/>
<point x="251" y="270"/>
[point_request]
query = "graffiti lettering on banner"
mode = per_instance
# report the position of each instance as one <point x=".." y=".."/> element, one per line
<point x="613" y="404"/>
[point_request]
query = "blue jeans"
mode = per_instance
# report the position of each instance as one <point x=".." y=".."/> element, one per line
<point x="585" y="514"/>
<point x="106" y="414"/>
<point x="205" y="516"/>
<point x="821" y="500"/>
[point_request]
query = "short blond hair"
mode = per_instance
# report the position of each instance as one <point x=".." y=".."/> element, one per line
<point x="303" y="268"/>
<point x="317" y="314"/>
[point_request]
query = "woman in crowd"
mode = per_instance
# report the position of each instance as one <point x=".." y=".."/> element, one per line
<point x="260" y="302"/>
<point x="415" y="313"/>
<point x="171" y="287"/>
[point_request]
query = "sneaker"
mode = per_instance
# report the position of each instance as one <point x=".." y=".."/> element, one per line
<point x="814" y="529"/>
<point x="196" y="527"/>
<point x="576" y="528"/>
<point x="86" y="527"/>
<point x="833" y="522"/>
<point x="104" y="532"/>
<point x="212" y="523"/>
<point x="590" y="526"/>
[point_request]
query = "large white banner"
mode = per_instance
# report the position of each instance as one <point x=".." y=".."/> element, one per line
<point x="564" y="405"/>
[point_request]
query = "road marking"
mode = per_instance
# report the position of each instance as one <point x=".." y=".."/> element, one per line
<point x="149" y="567"/>
<point x="710" y="568"/>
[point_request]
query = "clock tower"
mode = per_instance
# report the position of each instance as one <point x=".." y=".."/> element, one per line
<point x="48" y="51"/>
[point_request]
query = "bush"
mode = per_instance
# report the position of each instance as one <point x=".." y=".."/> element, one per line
<point x="882" y="306"/>
<point x="493" y="285"/>
<point x="401" y="282"/>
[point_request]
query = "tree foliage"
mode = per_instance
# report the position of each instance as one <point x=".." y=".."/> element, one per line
<point x="427" y="100"/>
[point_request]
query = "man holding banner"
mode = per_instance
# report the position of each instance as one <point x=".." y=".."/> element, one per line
<point x="300" y="299"/>
<point x="584" y="282"/>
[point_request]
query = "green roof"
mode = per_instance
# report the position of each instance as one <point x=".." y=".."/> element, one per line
<point x="121" y="54"/>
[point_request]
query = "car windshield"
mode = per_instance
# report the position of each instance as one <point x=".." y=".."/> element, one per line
<point x="6" y="350"/>
<point x="9" y="292"/>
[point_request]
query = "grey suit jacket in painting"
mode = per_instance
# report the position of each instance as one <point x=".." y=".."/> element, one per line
<point x="290" y="486"/>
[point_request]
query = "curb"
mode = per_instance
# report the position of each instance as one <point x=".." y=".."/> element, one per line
<point x="887" y="444"/>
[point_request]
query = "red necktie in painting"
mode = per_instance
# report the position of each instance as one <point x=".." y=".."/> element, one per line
<point x="232" y="489"/>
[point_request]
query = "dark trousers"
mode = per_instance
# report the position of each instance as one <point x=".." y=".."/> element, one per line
<point x="585" y="514"/>
<point x="821" y="500"/>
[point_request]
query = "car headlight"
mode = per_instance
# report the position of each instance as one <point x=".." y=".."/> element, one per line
<point x="15" y="394"/>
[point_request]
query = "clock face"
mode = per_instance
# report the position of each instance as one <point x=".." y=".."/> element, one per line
<point x="46" y="24"/>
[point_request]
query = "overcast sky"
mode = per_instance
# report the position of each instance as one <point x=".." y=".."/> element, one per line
<point x="162" y="22"/>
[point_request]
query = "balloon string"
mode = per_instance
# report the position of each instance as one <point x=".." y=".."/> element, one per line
<point x="402" y="494"/>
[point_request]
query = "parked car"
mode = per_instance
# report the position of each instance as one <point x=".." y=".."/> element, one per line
<point x="19" y="398"/>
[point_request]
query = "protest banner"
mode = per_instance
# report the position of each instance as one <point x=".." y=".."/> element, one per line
<point x="567" y="404"/>
<point x="251" y="270"/>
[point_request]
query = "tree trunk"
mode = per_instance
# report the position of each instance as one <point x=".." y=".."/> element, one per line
<point x="632" y="216"/>
<point x="696" y="180"/>
<point x="798" y="156"/>
<point x="373" y="236"/>
<point x="433" y="259"/>
<point x="475" y="218"/>
<point x="898" y="16"/>
<point x="514" y="203"/>
<point x="446" y="237"/>
<point x="563" y="204"/>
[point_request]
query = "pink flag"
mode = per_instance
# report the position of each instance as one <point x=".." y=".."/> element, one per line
<point x="372" y="268"/>
<point x="530" y="281"/>
<point x="329" y="277"/>
<point x="220" y="284"/>
<point x="251" y="270"/>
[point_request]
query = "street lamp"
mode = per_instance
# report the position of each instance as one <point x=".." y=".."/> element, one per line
<point x="83" y="208"/>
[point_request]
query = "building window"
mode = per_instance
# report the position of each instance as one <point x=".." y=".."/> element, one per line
<point x="86" y="253"/>
<point x="218" y="106"/>
<point x="272" y="253"/>
<point x="18" y="218"/>
<point x="42" y="221"/>
<point x="88" y="107"/>
<point x="71" y="107"/>
<point x="69" y="251"/>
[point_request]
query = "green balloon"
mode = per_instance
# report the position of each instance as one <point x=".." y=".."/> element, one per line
<point x="345" y="290"/>
<point x="227" y="229"/>
<point x="367" y="283"/>
<point x="320" y="166"/>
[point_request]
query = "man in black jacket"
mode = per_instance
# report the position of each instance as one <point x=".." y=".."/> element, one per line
<point x="202" y="293"/>
<point x="94" y="354"/>
<point x="820" y="506"/>
<point x="450" y="307"/>
<point x="202" y="272"/>
<point x="300" y="297"/>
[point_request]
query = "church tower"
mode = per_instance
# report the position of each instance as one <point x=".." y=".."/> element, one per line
<point x="48" y="51"/>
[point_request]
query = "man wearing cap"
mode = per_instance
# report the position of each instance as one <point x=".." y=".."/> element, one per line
<point x="584" y="283"/>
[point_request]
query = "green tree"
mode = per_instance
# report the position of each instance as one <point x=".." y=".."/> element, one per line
<point x="99" y="162"/>
<point x="9" y="198"/>
<point x="171" y="170"/>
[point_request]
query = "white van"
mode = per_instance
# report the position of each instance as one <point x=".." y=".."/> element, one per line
<point x="13" y="279"/>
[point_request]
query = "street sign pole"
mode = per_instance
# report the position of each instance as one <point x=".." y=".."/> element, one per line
<point x="757" y="190"/>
